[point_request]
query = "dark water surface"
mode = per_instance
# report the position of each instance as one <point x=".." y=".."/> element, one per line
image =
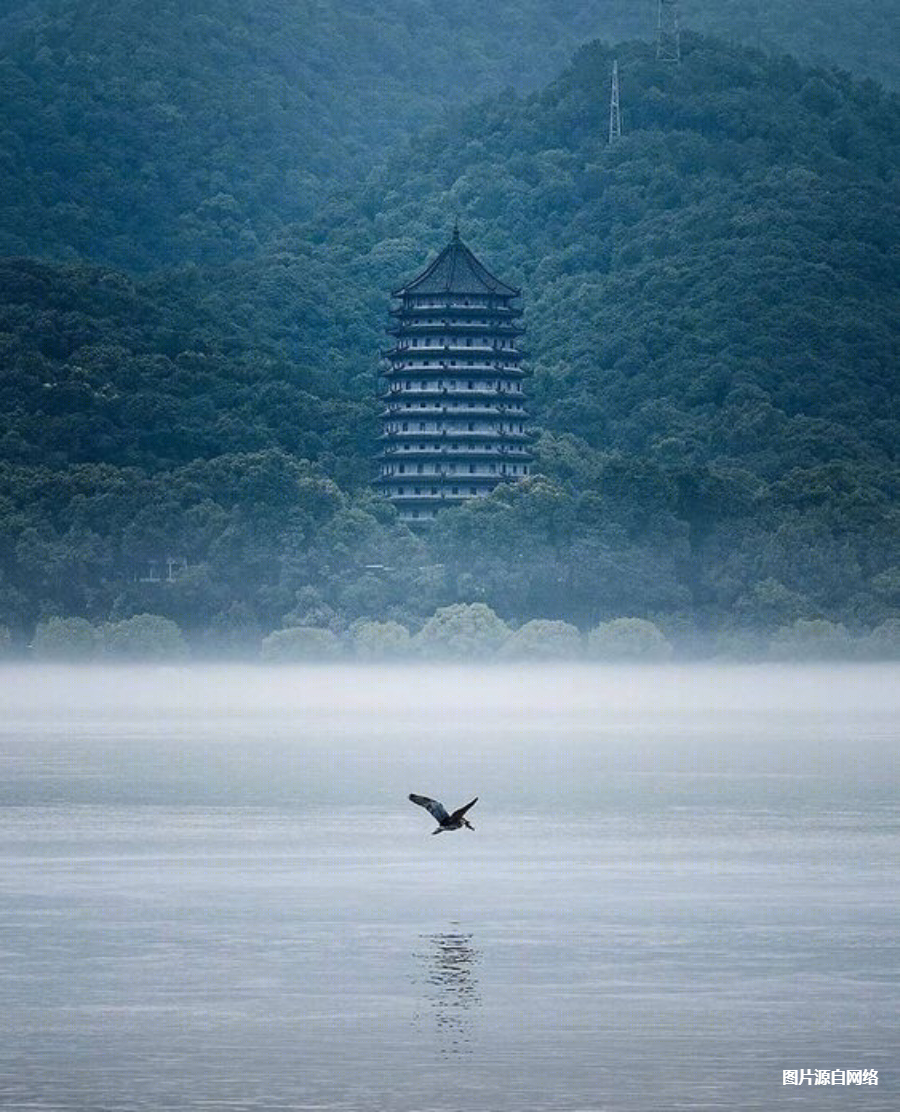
<point x="214" y="895"/>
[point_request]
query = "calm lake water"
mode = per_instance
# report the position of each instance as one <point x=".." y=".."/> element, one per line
<point x="215" y="895"/>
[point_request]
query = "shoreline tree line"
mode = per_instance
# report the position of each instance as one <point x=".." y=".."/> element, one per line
<point x="461" y="632"/>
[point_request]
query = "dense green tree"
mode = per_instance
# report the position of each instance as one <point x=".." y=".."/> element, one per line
<point x="543" y="640"/>
<point x="883" y="642"/>
<point x="300" y="643"/>
<point x="143" y="637"/>
<point x="628" y="639"/>
<point x="381" y="641"/>
<point x="811" y="639"/>
<point x="464" y="631"/>
<point x="233" y="632"/>
<point x="64" y="639"/>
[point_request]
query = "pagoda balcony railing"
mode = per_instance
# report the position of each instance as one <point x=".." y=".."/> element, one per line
<point x="461" y="459"/>
<point x="486" y="428"/>
<point x="419" y="498"/>
<point x="457" y="394"/>
<point x="455" y="301"/>
<point x="432" y="390"/>
<point x="454" y="349"/>
<point x="457" y="363"/>
<point x="470" y="402"/>
<point x="466" y="452"/>
<point x="485" y="421"/>
<point x="503" y="440"/>
<point x="481" y="369"/>
<point x="404" y="370"/>
<point x="399" y="412"/>
<point x="447" y="431"/>
<point x="456" y="401"/>
<point x="485" y="335"/>
<point x="446" y="477"/>
<point x="491" y="419"/>
<point x="461" y="392"/>
<point x="466" y="328"/>
<point x="431" y="489"/>
<point x="471" y="328"/>
<point x="441" y="496"/>
<point x="498" y="312"/>
<point x="404" y="443"/>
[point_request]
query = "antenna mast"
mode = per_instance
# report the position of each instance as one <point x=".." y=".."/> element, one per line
<point x="668" y="35"/>
<point x="615" y="118"/>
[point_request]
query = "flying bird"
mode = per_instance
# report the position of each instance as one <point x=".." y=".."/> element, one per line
<point x="446" y="822"/>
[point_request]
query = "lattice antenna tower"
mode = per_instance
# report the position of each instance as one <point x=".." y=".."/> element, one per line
<point x="668" y="35"/>
<point x="615" y="116"/>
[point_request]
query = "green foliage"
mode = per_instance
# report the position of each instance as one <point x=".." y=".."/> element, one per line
<point x="811" y="639"/>
<point x="381" y="641"/>
<point x="300" y="643"/>
<point x="143" y="637"/>
<point x="769" y="604"/>
<point x="148" y="135"/>
<point x="883" y="643"/>
<point x="64" y="639"/>
<point x="234" y="632"/>
<point x="543" y="640"/>
<point x="464" y="631"/>
<point x="886" y="585"/>
<point x="628" y="639"/>
<point x="739" y="645"/>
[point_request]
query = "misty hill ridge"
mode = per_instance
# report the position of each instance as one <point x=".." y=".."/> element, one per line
<point x="149" y="135"/>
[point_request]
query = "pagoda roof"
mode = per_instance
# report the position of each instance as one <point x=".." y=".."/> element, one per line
<point x="456" y="270"/>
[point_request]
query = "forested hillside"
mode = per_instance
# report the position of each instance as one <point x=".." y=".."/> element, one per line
<point x="149" y="135"/>
<point x="713" y="307"/>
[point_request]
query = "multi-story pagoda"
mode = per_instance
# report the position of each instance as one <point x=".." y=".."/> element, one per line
<point x="454" y="409"/>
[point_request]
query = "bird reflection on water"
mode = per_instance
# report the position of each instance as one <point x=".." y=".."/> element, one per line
<point x="451" y="987"/>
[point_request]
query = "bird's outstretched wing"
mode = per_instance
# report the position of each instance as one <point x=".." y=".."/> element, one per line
<point x="432" y="805"/>
<point x="458" y="814"/>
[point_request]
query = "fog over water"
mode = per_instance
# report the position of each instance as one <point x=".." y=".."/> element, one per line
<point x="554" y="735"/>
<point x="215" y="894"/>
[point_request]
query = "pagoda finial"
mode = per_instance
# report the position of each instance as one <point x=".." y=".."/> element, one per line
<point x="456" y="230"/>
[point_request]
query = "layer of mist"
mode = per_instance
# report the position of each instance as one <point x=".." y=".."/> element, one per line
<point x="541" y="736"/>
